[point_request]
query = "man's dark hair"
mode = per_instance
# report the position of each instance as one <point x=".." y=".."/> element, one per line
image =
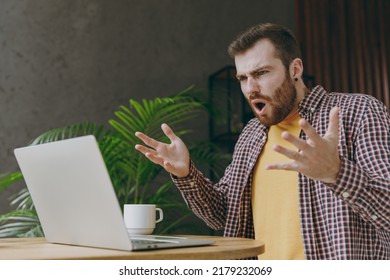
<point x="286" y="46"/>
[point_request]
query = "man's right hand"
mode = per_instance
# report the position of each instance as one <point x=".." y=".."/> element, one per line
<point x="174" y="157"/>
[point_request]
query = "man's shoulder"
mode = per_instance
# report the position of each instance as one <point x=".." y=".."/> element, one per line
<point x="356" y="107"/>
<point x="352" y="96"/>
<point x="355" y="100"/>
<point x="318" y="92"/>
<point x="319" y="97"/>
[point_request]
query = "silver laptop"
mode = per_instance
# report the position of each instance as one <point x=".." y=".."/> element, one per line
<point x="75" y="199"/>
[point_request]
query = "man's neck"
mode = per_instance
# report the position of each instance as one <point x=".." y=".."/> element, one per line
<point x="302" y="90"/>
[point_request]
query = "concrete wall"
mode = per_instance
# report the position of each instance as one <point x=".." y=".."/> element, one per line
<point x="63" y="62"/>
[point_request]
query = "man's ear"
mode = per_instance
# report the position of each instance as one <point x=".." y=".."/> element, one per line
<point x="296" y="68"/>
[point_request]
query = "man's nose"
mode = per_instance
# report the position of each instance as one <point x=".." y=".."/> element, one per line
<point x="252" y="86"/>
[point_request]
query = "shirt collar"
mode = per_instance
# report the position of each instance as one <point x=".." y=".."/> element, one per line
<point x="312" y="100"/>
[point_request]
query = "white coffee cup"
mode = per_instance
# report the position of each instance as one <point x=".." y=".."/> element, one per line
<point x="141" y="219"/>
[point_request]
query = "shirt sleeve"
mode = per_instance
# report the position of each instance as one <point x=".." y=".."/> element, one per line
<point x="364" y="183"/>
<point x="206" y="200"/>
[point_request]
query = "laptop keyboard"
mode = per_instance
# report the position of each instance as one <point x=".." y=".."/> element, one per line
<point x="145" y="242"/>
<point x="149" y="242"/>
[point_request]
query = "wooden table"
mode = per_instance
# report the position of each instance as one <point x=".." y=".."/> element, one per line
<point x="39" y="248"/>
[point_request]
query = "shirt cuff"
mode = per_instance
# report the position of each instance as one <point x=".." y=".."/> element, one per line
<point x="349" y="181"/>
<point x="186" y="184"/>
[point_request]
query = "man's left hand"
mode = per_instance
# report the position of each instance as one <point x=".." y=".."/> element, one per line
<point x="317" y="157"/>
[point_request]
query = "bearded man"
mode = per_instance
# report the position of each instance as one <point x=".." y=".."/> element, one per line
<point x="310" y="175"/>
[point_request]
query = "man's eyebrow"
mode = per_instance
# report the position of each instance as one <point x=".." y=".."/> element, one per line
<point x="238" y="76"/>
<point x="259" y="68"/>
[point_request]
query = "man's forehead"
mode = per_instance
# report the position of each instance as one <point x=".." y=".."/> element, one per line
<point x="248" y="68"/>
<point x="261" y="55"/>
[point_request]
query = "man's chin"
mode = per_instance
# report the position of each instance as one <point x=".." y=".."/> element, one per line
<point x="265" y="120"/>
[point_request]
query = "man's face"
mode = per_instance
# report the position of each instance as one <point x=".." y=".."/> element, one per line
<point x="266" y="84"/>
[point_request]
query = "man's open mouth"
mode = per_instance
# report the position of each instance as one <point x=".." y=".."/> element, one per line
<point x="260" y="105"/>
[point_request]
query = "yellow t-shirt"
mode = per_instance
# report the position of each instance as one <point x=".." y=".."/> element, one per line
<point x="275" y="199"/>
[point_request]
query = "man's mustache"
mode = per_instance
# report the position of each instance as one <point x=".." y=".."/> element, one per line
<point x="258" y="95"/>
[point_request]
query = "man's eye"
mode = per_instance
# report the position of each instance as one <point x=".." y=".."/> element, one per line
<point x="240" y="79"/>
<point x="261" y="72"/>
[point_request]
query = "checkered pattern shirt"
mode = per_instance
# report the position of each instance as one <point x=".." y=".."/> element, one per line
<point x="346" y="220"/>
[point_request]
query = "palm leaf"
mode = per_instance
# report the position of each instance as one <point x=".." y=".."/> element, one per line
<point x="72" y="131"/>
<point x="147" y="116"/>
<point x="20" y="223"/>
<point x="22" y="200"/>
<point x="10" y="178"/>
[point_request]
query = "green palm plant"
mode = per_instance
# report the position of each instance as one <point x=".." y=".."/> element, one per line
<point x="135" y="178"/>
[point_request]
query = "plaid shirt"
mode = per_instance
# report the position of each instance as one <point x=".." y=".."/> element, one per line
<point x="346" y="220"/>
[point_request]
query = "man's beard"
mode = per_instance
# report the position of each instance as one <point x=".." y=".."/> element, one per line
<point x="281" y="103"/>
